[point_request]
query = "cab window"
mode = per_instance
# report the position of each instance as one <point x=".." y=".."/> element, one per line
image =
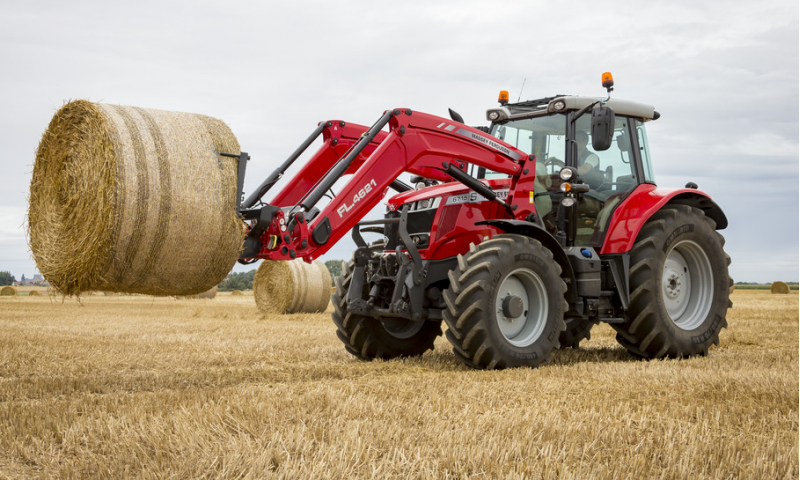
<point x="644" y="152"/>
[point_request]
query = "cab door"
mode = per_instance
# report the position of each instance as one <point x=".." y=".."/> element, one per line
<point x="617" y="173"/>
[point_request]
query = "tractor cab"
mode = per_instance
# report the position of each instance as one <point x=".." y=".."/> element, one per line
<point x="593" y="144"/>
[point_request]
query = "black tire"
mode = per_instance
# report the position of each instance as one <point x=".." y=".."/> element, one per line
<point x="679" y="286"/>
<point x="481" y="333"/>
<point x="577" y="329"/>
<point x="368" y="338"/>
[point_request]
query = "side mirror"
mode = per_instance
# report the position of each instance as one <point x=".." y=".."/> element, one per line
<point x="602" y="128"/>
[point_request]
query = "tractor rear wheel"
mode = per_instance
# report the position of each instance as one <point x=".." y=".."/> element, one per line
<point x="505" y="304"/>
<point x="679" y="286"/>
<point x="368" y="338"/>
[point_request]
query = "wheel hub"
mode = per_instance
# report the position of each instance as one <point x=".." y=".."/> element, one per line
<point x="687" y="284"/>
<point x="672" y="285"/>
<point x="512" y="307"/>
<point x="521" y="307"/>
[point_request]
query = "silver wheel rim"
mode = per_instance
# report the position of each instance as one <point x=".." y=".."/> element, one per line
<point x="523" y="330"/>
<point x="687" y="285"/>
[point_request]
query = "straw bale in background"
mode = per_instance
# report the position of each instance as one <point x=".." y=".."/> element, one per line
<point x="8" y="291"/>
<point x="779" y="287"/>
<point x="134" y="200"/>
<point x="236" y="293"/>
<point x="292" y="286"/>
<point x="34" y="293"/>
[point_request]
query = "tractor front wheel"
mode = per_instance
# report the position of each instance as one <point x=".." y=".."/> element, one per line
<point x="679" y="286"/>
<point x="505" y="304"/>
<point x="368" y="338"/>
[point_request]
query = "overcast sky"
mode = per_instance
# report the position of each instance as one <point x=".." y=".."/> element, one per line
<point x="723" y="75"/>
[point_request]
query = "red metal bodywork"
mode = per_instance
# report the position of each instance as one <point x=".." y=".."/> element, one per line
<point x="337" y="139"/>
<point x="453" y="227"/>
<point x="416" y="143"/>
<point x="632" y="213"/>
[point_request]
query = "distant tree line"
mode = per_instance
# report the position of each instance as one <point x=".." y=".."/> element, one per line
<point x="335" y="267"/>
<point x="6" y="278"/>
<point x="238" y="281"/>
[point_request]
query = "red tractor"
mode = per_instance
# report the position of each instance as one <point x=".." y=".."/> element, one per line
<point x="520" y="236"/>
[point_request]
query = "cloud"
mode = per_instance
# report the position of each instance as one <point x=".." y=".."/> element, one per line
<point x="724" y="78"/>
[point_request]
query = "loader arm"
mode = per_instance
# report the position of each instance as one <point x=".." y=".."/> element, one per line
<point x="416" y="143"/>
<point x="338" y="137"/>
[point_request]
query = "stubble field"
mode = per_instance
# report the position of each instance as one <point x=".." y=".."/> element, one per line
<point x="137" y="387"/>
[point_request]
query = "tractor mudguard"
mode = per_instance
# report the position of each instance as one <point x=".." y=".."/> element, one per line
<point x="533" y="230"/>
<point x="631" y="215"/>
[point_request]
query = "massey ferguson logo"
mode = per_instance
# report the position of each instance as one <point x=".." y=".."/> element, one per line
<point x="480" y="138"/>
<point x="344" y="208"/>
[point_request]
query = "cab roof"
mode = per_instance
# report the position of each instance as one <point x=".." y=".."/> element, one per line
<point x="547" y="105"/>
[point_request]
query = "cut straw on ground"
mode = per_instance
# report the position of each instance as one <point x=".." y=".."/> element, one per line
<point x="141" y="387"/>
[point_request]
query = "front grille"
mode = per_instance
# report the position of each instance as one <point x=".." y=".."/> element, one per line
<point x="419" y="225"/>
<point x="421" y="222"/>
<point x="447" y="221"/>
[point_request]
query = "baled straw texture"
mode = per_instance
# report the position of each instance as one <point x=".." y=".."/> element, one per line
<point x="34" y="293"/>
<point x="236" y="293"/>
<point x="779" y="287"/>
<point x="208" y="294"/>
<point x="8" y="291"/>
<point x="292" y="287"/>
<point x="134" y="200"/>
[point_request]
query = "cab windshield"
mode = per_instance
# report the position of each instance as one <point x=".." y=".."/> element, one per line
<point x="540" y="136"/>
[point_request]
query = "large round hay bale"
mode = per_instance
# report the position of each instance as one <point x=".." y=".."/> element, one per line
<point x="134" y="200"/>
<point x="779" y="287"/>
<point x="34" y="293"/>
<point x="292" y="286"/>
<point x="236" y="293"/>
<point x="208" y="294"/>
<point x="8" y="291"/>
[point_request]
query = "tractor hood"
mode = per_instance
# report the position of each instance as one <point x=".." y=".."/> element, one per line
<point x="444" y="190"/>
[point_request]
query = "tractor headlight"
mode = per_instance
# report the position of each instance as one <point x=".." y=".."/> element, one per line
<point x="494" y="115"/>
<point x="424" y="203"/>
<point x="559" y="105"/>
<point x="566" y="173"/>
<point x="568" y="201"/>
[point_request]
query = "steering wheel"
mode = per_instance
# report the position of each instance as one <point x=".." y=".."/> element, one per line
<point x="554" y="162"/>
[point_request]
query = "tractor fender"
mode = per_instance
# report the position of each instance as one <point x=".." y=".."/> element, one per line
<point x="535" y="231"/>
<point x="637" y="208"/>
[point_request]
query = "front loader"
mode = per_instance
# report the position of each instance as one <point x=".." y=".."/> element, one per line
<point x="520" y="236"/>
